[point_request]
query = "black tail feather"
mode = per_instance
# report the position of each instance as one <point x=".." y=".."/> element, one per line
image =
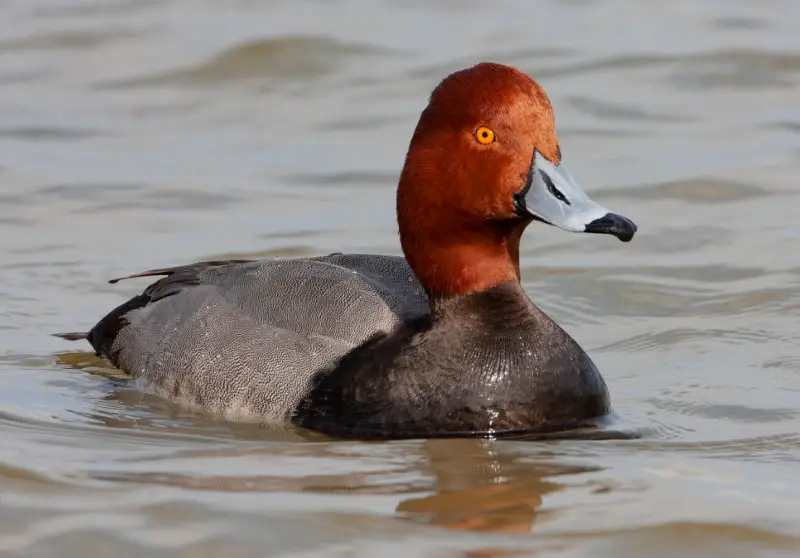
<point x="73" y="335"/>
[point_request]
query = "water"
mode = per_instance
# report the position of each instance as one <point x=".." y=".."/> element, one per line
<point x="137" y="134"/>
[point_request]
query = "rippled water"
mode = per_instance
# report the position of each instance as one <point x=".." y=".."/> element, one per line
<point x="136" y="134"/>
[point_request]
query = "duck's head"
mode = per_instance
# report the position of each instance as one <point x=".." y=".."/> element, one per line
<point x="485" y="161"/>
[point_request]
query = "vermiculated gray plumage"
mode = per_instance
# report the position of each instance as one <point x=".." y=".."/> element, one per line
<point x="246" y="338"/>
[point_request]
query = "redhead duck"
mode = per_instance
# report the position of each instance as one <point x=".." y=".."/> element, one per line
<point x="443" y="342"/>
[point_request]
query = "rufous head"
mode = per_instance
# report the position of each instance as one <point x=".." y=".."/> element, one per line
<point x="485" y="161"/>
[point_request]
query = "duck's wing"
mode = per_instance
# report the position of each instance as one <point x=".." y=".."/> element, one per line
<point x="226" y="333"/>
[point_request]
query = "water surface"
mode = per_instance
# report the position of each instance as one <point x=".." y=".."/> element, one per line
<point x="139" y="134"/>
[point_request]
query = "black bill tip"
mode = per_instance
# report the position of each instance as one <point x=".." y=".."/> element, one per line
<point x="617" y="225"/>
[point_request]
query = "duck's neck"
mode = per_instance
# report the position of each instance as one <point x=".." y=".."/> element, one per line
<point x="450" y="264"/>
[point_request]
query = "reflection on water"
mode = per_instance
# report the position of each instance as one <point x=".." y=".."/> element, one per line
<point x="143" y="134"/>
<point x="474" y="486"/>
<point x="481" y="489"/>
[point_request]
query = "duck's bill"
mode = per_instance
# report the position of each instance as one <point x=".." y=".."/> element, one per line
<point x="551" y="195"/>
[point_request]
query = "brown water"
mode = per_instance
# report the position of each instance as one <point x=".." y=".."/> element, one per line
<point x="142" y="133"/>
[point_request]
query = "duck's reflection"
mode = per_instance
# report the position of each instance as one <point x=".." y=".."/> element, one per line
<point x="466" y="484"/>
<point x="479" y="487"/>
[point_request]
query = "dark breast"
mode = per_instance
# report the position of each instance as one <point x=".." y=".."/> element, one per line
<point x="492" y="363"/>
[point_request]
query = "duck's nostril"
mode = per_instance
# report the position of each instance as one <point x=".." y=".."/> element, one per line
<point x="617" y="225"/>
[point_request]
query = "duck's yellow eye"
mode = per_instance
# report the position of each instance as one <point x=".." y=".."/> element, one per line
<point x="484" y="135"/>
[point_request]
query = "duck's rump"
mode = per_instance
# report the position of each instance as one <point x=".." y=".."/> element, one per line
<point x="246" y="337"/>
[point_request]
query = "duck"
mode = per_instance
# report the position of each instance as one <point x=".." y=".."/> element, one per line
<point x="440" y="342"/>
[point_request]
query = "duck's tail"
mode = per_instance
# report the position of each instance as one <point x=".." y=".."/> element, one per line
<point x="73" y="335"/>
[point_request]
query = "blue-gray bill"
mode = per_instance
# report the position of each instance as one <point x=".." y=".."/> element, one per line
<point x="551" y="195"/>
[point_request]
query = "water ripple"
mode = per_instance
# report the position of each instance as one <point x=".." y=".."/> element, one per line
<point x="665" y="341"/>
<point x="276" y="60"/>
